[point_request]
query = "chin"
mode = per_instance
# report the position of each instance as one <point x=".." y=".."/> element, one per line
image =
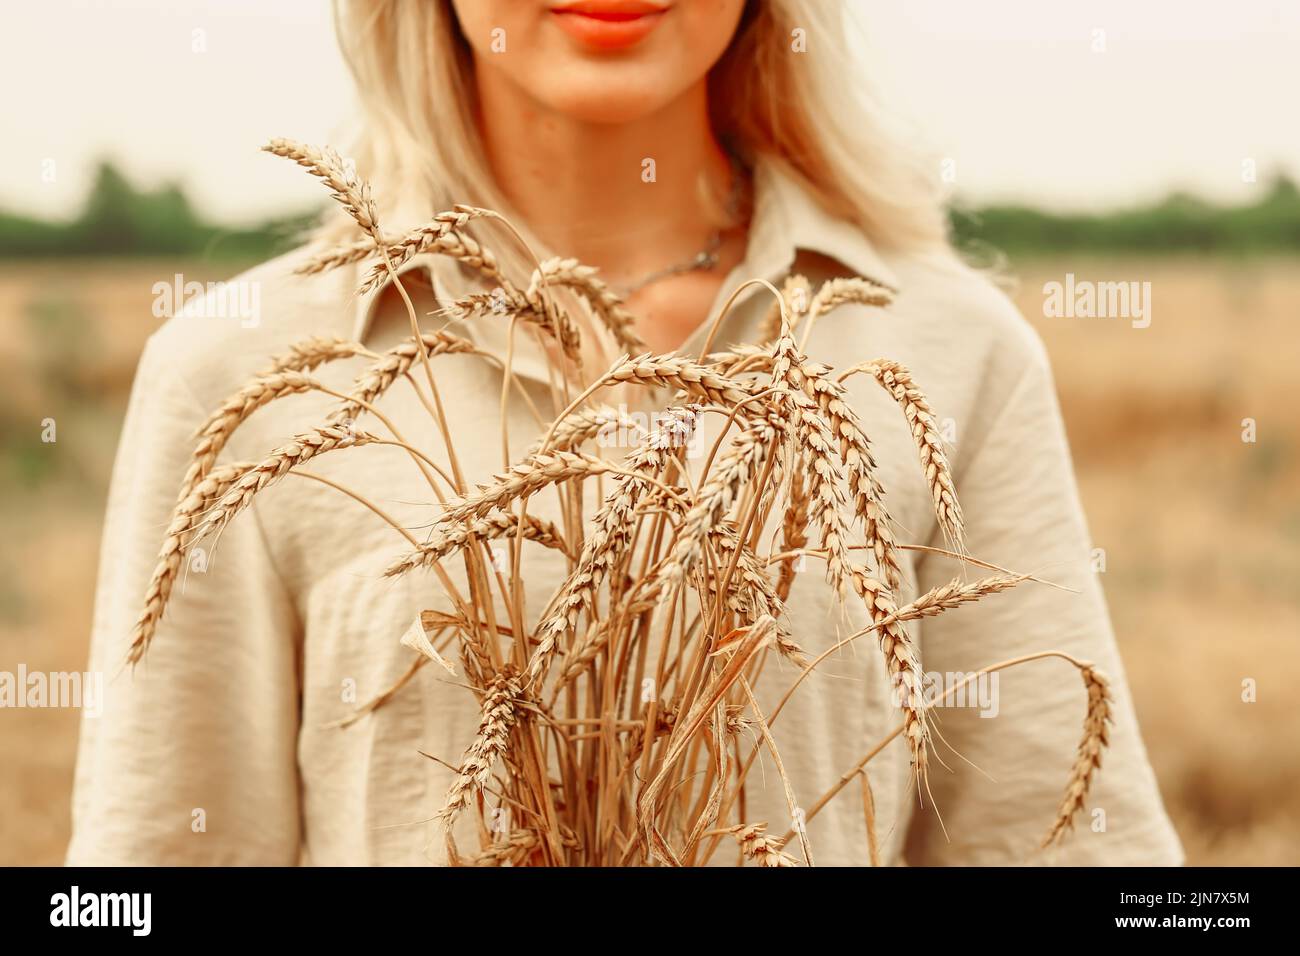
<point x="602" y="96"/>
<point x="608" y="110"/>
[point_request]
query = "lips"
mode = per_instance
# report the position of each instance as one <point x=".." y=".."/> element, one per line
<point x="609" y="24"/>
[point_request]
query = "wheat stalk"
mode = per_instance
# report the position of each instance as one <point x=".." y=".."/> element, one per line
<point x="860" y="466"/>
<point x="523" y="480"/>
<point x="796" y="295"/>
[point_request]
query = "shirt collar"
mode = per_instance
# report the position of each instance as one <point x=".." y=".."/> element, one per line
<point x="367" y="303"/>
<point x="787" y="218"/>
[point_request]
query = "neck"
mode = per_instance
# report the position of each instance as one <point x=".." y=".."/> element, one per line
<point x="584" y="188"/>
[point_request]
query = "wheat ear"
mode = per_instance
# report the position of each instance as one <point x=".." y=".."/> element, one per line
<point x="752" y="594"/>
<point x="860" y="467"/>
<point x="794" y="531"/>
<point x="901" y="664"/>
<point x="489" y="743"/>
<point x="758" y="847"/>
<point x="532" y="307"/>
<point x="608" y="541"/>
<point x="698" y="381"/>
<point x="584" y="424"/>
<point x="827" y="487"/>
<point x="185" y="516"/>
<point x="327" y="166"/>
<point x="897" y="381"/>
<point x="605" y="305"/>
<point x="522" y="480"/>
<point x="449" y="539"/>
<point x="739" y="463"/>
<point x="440" y="236"/>
<point x="834" y="293"/>
<point x="954" y="594"/>
<point x="301" y="449"/>
<point x="311" y="353"/>
<point x="1096" y="737"/>
<point x="236" y="409"/>
<point x="378" y="377"/>
<point x="854" y="448"/>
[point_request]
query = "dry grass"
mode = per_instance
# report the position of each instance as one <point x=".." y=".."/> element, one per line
<point x="706" y="589"/>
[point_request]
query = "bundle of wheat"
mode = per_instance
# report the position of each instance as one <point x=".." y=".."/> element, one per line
<point x="668" y="585"/>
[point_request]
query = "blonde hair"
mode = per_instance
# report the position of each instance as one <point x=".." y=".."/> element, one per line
<point x="414" y="77"/>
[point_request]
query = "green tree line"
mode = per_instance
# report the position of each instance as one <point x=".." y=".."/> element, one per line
<point x="118" y="219"/>
<point x="1178" y="223"/>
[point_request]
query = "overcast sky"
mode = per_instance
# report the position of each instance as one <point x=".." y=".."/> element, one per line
<point x="1072" y="105"/>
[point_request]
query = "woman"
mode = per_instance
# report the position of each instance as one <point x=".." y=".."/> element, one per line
<point x="682" y="146"/>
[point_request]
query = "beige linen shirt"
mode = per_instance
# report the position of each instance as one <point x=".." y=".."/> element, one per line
<point x="217" y="749"/>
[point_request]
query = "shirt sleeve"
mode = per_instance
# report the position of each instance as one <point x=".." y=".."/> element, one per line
<point x="192" y="759"/>
<point x="1006" y="772"/>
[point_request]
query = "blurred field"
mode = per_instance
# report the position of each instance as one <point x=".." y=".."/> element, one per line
<point x="1201" y="531"/>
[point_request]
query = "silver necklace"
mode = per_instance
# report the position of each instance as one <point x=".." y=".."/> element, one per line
<point x="708" y="257"/>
